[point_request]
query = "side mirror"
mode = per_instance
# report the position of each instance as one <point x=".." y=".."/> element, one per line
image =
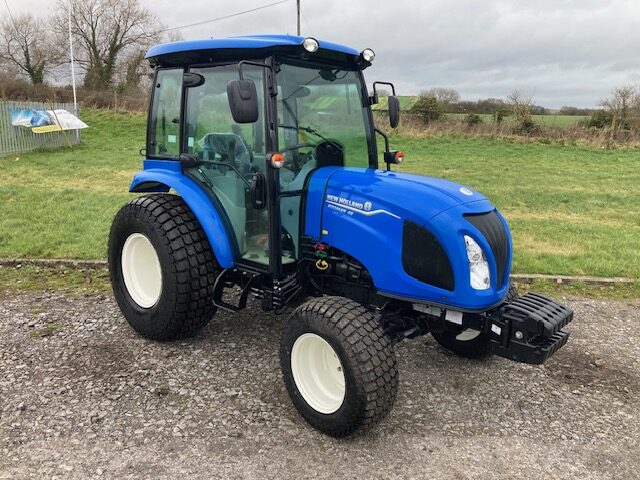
<point x="258" y="191"/>
<point x="393" y="102"/>
<point x="243" y="100"/>
<point x="394" y="111"/>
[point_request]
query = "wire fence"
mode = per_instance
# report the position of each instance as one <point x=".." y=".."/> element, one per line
<point x="19" y="139"/>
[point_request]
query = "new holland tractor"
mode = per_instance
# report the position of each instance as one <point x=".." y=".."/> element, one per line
<point x="261" y="178"/>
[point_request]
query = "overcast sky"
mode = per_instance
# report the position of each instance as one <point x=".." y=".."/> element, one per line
<point x="565" y="52"/>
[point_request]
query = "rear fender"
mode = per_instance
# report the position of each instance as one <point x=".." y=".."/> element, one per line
<point x="162" y="178"/>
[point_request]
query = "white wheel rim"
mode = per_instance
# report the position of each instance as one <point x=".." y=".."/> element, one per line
<point x="318" y="373"/>
<point x="141" y="270"/>
<point x="467" y="334"/>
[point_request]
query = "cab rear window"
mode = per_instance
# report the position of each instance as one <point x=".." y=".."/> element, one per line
<point x="164" y="124"/>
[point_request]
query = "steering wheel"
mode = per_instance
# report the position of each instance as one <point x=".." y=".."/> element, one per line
<point x="297" y="146"/>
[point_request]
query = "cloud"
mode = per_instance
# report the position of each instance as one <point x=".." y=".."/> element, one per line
<point x="564" y="51"/>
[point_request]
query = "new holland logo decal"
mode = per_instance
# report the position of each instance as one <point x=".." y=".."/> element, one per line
<point x="344" y="205"/>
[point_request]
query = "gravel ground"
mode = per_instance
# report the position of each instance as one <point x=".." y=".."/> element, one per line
<point x="81" y="396"/>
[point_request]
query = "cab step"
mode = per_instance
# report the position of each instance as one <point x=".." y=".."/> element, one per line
<point x="230" y="278"/>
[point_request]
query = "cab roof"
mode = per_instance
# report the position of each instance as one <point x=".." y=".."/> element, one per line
<point x="245" y="47"/>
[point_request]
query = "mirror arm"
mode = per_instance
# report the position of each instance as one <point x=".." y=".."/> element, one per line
<point x="393" y="88"/>
<point x="389" y="156"/>
<point x="256" y="64"/>
<point x="383" y="135"/>
<point x="374" y="98"/>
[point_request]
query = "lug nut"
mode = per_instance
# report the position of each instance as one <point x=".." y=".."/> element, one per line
<point x="519" y="335"/>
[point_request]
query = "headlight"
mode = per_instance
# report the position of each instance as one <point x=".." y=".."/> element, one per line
<point x="310" y="44"/>
<point x="478" y="265"/>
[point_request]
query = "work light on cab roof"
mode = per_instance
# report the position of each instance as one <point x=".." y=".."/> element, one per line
<point x="368" y="55"/>
<point x="310" y="44"/>
<point x="270" y="145"/>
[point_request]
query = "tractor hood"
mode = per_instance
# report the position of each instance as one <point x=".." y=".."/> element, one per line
<point x="389" y="220"/>
<point x="407" y="196"/>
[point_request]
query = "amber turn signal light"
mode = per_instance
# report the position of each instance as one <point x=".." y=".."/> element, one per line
<point x="277" y="160"/>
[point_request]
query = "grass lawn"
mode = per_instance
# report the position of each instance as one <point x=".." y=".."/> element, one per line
<point x="572" y="210"/>
<point x="60" y="203"/>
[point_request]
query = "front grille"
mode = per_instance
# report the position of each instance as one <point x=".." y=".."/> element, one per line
<point x="493" y="231"/>
<point x="424" y="258"/>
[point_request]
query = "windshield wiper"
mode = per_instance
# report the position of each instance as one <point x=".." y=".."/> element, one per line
<point x="312" y="131"/>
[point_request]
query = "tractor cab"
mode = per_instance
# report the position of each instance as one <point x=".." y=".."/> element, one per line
<point x="249" y="119"/>
<point x="261" y="177"/>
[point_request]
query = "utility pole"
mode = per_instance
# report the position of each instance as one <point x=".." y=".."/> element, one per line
<point x="73" y="72"/>
<point x="298" y="23"/>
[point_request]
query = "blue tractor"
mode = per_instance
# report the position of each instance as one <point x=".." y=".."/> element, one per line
<point x="261" y="177"/>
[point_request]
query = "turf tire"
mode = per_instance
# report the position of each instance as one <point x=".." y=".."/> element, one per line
<point x="188" y="266"/>
<point x="367" y="358"/>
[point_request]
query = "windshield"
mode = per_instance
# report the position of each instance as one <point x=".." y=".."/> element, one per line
<point x="322" y="118"/>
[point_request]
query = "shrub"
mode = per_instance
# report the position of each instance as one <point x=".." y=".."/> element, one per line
<point x="19" y="90"/>
<point x="526" y="126"/>
<point x="569" y="110"/>
<point x="427" y="108"/>
<point x="473" y="119"/>
<point x="499" y="115"/>
<point x="601" y="119"/>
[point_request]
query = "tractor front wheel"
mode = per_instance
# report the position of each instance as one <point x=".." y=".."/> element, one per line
<point x="338" y="366"/>
<point x="162" y="267"/>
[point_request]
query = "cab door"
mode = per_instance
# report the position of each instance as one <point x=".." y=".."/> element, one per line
<point x="230" y="155"/>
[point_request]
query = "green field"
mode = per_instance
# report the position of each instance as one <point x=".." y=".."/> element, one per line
<point x="548" y="120"/>
<point x="561" y="121"/>
<point x="573" y="210"/>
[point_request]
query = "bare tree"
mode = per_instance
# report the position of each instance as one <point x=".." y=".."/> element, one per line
<point x="173" y="36"/>
<point x="444" y="96"/>
<point x="623" y="105"/>
<point x="521" y="104"/>
<point x="135" y="68"/>
<point x="633" y="119"/>
<point x="26" y="46"/>
<point x="107" y="32"/>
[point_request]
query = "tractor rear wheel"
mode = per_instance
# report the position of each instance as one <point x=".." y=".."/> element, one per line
<point x="338" y="366"/>
<point x="467" y="342"/>
<point x="162" y="267"/>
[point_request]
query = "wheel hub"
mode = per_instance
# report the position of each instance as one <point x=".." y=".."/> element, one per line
<point x="141" y="270"/>
<point x="467" y="335"/>
<point x="318" y="373"/>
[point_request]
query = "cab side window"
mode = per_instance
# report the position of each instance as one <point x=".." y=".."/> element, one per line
<point x="212" y="134"/>
<point x="164" y="124"/>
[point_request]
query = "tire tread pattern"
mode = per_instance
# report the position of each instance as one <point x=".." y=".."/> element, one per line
<point x="373" y="359"/>
<point x="194" y="266"/>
